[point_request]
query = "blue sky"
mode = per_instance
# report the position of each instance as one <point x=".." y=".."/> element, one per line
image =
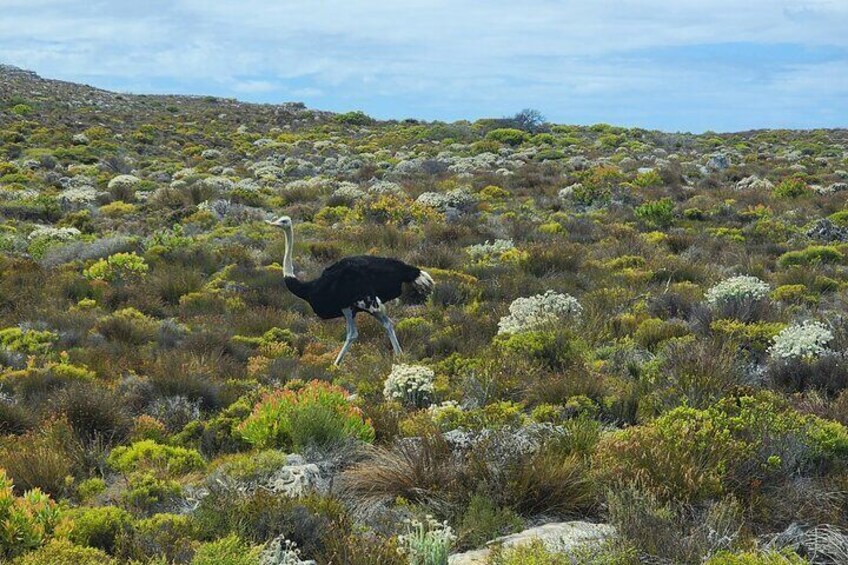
<point x="685" y="65"/>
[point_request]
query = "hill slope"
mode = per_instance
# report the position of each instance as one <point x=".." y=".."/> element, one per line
<point x="629" y="326"/>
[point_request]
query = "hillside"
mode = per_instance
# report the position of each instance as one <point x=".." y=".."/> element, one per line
<point x="628" y="327"/>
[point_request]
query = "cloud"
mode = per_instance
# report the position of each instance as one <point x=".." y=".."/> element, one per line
<point x="651" y="62"/>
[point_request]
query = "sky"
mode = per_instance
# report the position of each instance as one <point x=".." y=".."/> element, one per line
<point x="674" y="65"/>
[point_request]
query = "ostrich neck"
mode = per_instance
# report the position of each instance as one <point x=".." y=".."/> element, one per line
<point x="288" y="269"/>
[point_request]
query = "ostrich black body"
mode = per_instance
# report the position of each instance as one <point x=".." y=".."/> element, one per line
<point x="361" y="282"/>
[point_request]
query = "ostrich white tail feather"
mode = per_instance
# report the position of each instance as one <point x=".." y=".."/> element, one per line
<point x="424" y="283"/>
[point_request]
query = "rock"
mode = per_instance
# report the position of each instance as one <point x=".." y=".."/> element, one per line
<point x="297" y="478"/>
<point x="825" y="230"/>
<point x="561" y="537"/>
<point x="579" y="163"/>
<point x="754" y="183"/>
<point x="719" y="162"/>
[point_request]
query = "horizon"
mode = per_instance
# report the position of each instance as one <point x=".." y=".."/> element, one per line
<point x="690" y="68"/>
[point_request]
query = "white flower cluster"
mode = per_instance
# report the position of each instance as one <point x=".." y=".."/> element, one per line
<point x="77" y="197"/>
<point x="49" y="232"/>
<point x="348" y="192"/>
<point x="282" y="552"/>
<point x="386" y="187"/>
<point x="412" y="384"/>
<point x="737" y="288"/>
<point x="459" y="198"/>
<point x="222" y="184"/>
<point x="427" y="541"/>
<point x="123" y="182"/>
<point x="531" y="312"/>
<point x="801" y="341"/>
<point x="488" y="252"/>
<point x="565" y="193"/>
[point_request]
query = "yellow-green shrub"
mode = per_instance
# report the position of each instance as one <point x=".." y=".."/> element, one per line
<point x="691" y="454"/>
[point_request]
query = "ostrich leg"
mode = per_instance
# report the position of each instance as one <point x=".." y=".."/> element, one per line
<point x="390" y="329"/>
<point x="352" y="334"/>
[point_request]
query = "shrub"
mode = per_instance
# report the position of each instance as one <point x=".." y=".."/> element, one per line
<point x="146" y="493"/>
<point x="120" y="267"/>
<point x="316" y="413"/>
<point x="692" y="454"/>
<point x="508" y="136"/>
<point x="484" y="520"/>
<point x="63" y="552"/>
<point x="656" y="214"/>
<point x="26" y="522"/>
<point x="792" y="187"/>
<point x="737" y="289"/>
<point x="652" y="331"/>
<point x="410" y="384"/>
<point x="27" y="341"/>
<point x="426" y="542"/>
<point x="532" y="312"/>
<point x="99" y="526"/>
<point x="805" y="341"/>
<point x="149" y="455"/>
<point x="757" y="558"/>
<point x="813" y="255"/>
<point x="229" y="550"/>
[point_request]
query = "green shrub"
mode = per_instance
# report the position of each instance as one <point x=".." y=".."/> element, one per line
<point x="27" y="341"/>
<point x="170" y="536"/>
<point x="146" y="493"/>
<point x="63" y="552"/>
<point x="355" y="118"/>
<point x="118" y="267"/>
<point x="98" y="526"/>
<point x="318" y="413"/>
<point x="484" y="520"/>
<point x="229" y="550"/>
<point x="692" y="454"/>
<point x="813" y="255"/>
<point x="508" y="136"/>
<point x="656" y="214"/>
<point x="791" y="187"/>
<point x="648" y="179"/>
<point x="653" y="331"/>
<point x="26" y="522"/>
<point x="757" y="558"/>
<point x="149" y="455"/>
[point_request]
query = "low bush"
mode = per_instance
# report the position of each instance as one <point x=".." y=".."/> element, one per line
<point x="229" y="550"/>
<point x="148" y="455"/>
<point x="63" y="552"/>
<point x="318" y="413"/>
<point x="98" y="526"/>
<point x="27" y="521"/>
<point x="690" y="454"/>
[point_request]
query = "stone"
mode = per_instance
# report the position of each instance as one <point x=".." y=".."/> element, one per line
<point x="297" y="478"/>
<point x="561" y="537"/>
<point x="718" y="162"/>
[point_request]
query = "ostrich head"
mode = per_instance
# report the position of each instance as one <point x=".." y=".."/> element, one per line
<point x="281" y="222"/>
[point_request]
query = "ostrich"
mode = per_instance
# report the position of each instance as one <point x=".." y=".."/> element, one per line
<point x="362" y="283"/>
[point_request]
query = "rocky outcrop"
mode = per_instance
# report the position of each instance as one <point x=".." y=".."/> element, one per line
<point x="559" y="536"/>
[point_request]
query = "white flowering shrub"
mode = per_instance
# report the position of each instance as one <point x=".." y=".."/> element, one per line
<point x="123" y="182"/>
<point x="738" y="288"/>
<point x="426" y="542"/>
<point x="805" y="342"/>
<point x="56" y="234"/>
<point x="386" y="187"/>
<point x="490" y="253"/>
<point x="531" y="312"/>
<point x="348" y="192"/>
<point x="282" y="552"/>
<point x="447" y="415"/>
<point x="410" y="384"/>
<point x="77" y="197"/>
<point x="459" y="198"/>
